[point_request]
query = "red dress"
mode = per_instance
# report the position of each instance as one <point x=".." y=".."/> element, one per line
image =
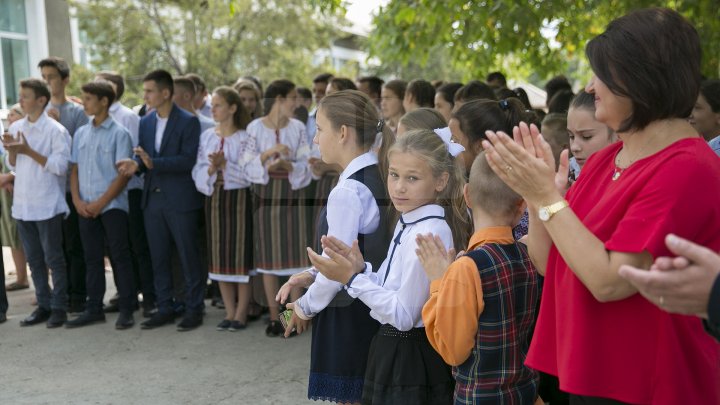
<point x="630" y="350"/>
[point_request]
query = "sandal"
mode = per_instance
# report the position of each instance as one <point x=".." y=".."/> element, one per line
<point x="16" y="286"/>
<point x="274" y="329"/>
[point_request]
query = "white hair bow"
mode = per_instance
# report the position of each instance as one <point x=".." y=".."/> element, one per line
<point x="446" y="136"/>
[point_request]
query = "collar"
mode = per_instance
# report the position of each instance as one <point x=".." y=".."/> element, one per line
<point x="105" y="124"/>
<point x="115" y="107"/>
<point x="360" y="162"/>
<point x="494" y="234"/>
<point x="430" y="210"/>
<point x="40" y="123"/>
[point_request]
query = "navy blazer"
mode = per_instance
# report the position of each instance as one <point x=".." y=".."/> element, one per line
<point x="172" y="165"/>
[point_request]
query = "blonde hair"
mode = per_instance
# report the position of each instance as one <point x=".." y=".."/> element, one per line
<point x="422" y="118"/>
<point x="18" y="109"/>
<point x="428" y="146"/>
<point x="244" y="84"/>
<point x="354" y="109"/>
<point x="488" y="192"/>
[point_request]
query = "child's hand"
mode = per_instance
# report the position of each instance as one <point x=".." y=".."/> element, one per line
<point x="336" y="267"/>
<point x="302" y="279"/>
<point x="351" y="253"/>
<point x="433" y="256"/>
<point x="93" y="209"/>
<point x="296" y="323"/>
<point x="126" y="167"/>
<point x="147" y="161"/>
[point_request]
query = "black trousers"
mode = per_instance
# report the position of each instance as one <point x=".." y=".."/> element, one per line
<point x="74" y="257"/>
<point x="111" y="226"/>
<point x="140" y="251"/>
<point x="164" y="226"/>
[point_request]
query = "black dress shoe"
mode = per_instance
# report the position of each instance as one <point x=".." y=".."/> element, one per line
<point x="125" y="321"/>
<point x="38" y="316"/>
<point x="159" y="319"/>
<point x="57" y="318"/>
<point x="190" y="322"/>
<point x="148" y="310"/>
<point x="3" y="317"/>
<point x="86" y="318"/>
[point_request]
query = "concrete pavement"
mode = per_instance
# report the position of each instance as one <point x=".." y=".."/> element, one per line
<point x="100" y="365"/>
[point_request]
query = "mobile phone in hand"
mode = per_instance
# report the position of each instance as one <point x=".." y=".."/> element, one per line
<point x="285" y="317"/>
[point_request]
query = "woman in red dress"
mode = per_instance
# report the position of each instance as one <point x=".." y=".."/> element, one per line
<point x="606" y="342"/>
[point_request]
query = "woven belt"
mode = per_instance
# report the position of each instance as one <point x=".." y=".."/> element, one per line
<point x="391" y="331"/>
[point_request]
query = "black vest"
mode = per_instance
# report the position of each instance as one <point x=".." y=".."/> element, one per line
<point x="372" y="245"/>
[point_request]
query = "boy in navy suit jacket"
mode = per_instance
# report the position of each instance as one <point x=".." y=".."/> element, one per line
<point x="166" y="154"/>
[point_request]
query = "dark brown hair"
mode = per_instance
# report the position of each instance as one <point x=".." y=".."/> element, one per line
<point x="448" y="90"/>
<point x="710" y="89"/>
<point x="478" y="116"/>
<point x="100" y="89"/>
<point x="342" y="83"/>
<point x="374" y="84"/>
<point x="277" y="88"/>
<point x="652" y="57"/>
<point x="187" y="84"/>
<point x="474" y="90"/>
<point x="116" y="79"/>
<point x="162" y="78"/>
<point x="397" y="86"/>
<point x="241" y="118"/>
<point x="198" y="81"/>
<point x="58" y="63"/>
<point x="39" y="88"/>
<point x="422" y="92"/>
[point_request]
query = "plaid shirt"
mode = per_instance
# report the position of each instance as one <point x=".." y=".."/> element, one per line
<point x="495" y="372"/>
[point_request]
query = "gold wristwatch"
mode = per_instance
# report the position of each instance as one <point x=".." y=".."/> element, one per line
<point x="547" y="212"/>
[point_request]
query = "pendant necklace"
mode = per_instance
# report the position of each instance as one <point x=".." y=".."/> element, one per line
<point x="618" y="171"/>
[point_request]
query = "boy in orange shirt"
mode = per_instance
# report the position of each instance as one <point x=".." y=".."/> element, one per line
<point x="482" y="306"/>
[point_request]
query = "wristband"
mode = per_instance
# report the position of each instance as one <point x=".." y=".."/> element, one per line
<point x="347" y="285"/>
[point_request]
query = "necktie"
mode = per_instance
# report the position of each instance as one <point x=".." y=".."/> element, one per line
<point x="396" y="240"/>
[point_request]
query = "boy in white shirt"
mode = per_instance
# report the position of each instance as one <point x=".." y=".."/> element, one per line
<point x="39" y="151"/>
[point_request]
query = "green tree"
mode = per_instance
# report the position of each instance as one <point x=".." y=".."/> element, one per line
<point x="219" y="39"/>
<point x="545" y="37"/>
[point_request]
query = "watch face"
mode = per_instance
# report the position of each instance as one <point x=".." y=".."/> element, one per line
<point x="544" y="214"/>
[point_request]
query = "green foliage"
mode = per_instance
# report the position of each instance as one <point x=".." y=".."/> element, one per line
<point x="539" y="38"/>
<point x="219" y="39"/>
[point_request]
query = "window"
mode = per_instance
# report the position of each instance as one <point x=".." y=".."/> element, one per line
<point x="14" y="53"/>
<point x="16" y="66"/>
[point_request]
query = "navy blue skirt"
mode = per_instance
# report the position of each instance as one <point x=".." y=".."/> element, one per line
<point x="341" y="337"/>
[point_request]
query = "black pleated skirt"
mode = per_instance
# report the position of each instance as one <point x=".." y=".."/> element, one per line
<point x="404" y="369"/>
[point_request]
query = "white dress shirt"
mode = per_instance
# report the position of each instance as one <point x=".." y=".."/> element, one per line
<point x="233" y="147"/>
<point x="262" y="138"/>
<point x="131" y="121"/>
<point x="351" y="210"/>
<point x="159" y="132"/>
<point x="39" y="192"/>
<point x="206" y="109"/>
<point x="397" y="292"/>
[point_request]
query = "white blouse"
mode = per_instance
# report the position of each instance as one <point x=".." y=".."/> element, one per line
<point x="397" y="292"/>
<point x="262" y="138"/>
<point x="234" y="147"/>
<point x="351" y="210"/>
